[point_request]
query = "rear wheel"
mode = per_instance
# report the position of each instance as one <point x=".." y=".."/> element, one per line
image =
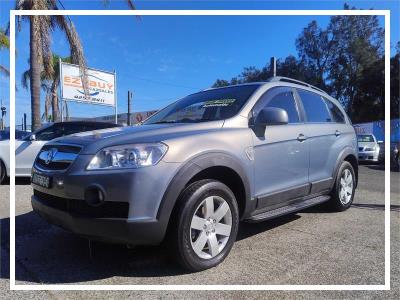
<point x="204" y="226"/>
<point x="343" y="192"/>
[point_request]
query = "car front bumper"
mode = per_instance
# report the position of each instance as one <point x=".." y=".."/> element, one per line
<point x="372" y="156"/>
<point x="121" y="231"/>
<point x="129" y="213"/>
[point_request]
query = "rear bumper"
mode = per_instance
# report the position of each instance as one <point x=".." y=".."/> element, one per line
<point x="122" y="231"/>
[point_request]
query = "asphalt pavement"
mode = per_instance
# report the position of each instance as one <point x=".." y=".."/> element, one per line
<point x="311" y="247"/>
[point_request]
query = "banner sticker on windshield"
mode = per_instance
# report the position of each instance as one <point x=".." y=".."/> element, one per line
<point x="218" y="103"/>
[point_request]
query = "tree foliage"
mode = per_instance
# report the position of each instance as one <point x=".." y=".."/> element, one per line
<point x="346" y="59"/>
<point x="41" y="56"/>
<point x="4" y="44"/>
<point x="50" y="85"/>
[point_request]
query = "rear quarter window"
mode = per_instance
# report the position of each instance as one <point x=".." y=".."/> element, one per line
<point x="336" y="113"/>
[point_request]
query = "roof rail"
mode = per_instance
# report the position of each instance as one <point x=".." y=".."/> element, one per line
<point x="291" y="80"/>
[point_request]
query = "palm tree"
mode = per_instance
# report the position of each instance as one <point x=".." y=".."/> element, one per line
<point x="4" y="44"/>
<point x="50" y="84"/>
<point x="41" y="58"/>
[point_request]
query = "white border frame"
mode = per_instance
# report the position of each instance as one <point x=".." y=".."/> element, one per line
<point x="14" y="13"/>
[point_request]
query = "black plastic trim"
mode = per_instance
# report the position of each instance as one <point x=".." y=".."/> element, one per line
<point x="189" y="170"/>
<point x="282" y="196"/>
<point x="321" y="185"/>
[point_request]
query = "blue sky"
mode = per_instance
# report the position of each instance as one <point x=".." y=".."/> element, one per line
<point x="161" y="58"/>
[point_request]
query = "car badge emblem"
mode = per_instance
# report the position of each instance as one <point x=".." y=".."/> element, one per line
<point x="50" y="155"/>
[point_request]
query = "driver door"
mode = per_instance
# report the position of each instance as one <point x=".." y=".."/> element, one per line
<point x="282" y="155"/>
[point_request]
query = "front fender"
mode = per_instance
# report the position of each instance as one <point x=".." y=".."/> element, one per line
<point x="189" y="170"/>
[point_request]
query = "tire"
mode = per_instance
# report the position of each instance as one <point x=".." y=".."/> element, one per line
<point x="193" y="237"/>
<point x="2" y="172"/>
<point x="342" y="194"/>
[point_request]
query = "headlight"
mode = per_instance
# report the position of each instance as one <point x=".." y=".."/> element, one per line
<point x="128" y="156"/>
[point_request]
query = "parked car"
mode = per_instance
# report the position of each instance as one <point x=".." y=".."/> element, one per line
<point x="368" y="148"/>
<point x="29" y="146"/>
<point x="19" y="134"/>
<point x="394" y="154"/>
<point x="193" y="170"/>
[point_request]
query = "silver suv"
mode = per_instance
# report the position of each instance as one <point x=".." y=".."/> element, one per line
<point x="191" y="172"/>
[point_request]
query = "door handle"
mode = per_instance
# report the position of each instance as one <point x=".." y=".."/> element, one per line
<point x="337" y="132"/>
<point x="301" y="137"/>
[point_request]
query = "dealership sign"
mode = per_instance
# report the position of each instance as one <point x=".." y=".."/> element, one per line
<point x="100" y="86"/>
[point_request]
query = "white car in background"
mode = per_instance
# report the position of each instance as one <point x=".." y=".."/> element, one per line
<point x="368" y="148"/>
<point x="27" y="148"/>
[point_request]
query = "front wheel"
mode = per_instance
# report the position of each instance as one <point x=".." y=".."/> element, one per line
<point x="205" y="225"/>
<point x="344" y="189"/>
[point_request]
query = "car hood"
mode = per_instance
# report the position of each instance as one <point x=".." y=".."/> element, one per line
<point x="366" y="144"/>
<point x="93" y="141"/>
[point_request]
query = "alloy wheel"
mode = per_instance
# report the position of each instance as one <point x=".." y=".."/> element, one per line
<point x="346" y="187"/>
<point x="211" y="227"/>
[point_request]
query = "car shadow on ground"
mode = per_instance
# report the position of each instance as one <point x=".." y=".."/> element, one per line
<point x="376" y="206"/>
<point x="48" y="254"/>
<point x="18" y="181"/>
<point x="379" y="167"/>
<point x="4" y="252"/>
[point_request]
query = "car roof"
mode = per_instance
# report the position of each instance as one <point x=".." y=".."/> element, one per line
<point x="279" y="79"/>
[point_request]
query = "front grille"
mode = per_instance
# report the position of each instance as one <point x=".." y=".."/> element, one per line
<point x="109" y="209"/>
<point x="64" y="156"/>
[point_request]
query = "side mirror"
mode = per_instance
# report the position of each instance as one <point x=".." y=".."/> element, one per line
<point x="270" y="116"/>
<point x="32" y="137"/>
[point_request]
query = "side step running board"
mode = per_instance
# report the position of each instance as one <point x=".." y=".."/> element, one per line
<point x="291" y="208"/>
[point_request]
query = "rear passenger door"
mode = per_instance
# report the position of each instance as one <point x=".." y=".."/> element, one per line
<point x="281" y="156"/>
<point x="324" y="135"/>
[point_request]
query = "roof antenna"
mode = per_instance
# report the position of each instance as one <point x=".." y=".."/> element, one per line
<point x="273" y="66"/>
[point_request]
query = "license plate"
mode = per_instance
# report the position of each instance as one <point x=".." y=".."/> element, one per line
<point x="41" y="180"/>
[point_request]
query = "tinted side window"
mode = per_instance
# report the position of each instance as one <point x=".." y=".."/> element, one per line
<point x="280" y="98"/>
<point x="336" y="114"/>
<point x="73" y="128"/>
<point x="101" y="126"/>
<point x="315" y="107"/>
<point x="49" y="133"/>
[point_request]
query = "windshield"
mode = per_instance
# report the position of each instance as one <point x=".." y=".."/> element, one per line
<point x="365" y="138"/>
<point x="210" y="105"/>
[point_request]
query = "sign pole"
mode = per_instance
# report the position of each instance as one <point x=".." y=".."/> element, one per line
<point x="116" y="98"/>
<point x="61" y="91"/>
<point x="129" y="108"/>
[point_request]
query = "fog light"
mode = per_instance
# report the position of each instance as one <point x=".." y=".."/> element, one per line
<point x="94" y="196"/>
